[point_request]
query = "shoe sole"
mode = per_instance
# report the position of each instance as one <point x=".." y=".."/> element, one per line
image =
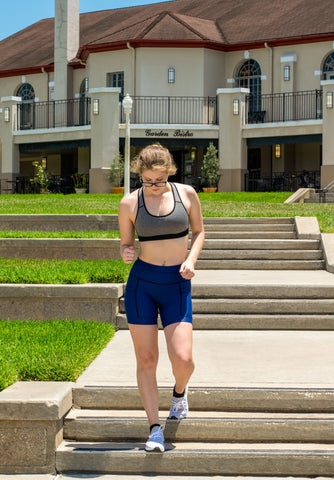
<point x="156" y="449"/>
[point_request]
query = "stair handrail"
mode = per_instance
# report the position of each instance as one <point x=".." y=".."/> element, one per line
<point x="328" y="187"/>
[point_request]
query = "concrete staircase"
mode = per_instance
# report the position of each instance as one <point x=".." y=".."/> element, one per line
<point x="320" y="197"/>
<point x="258" y="430"/>
<point x="257" y="243"/>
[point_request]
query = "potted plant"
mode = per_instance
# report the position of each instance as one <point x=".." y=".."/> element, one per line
<point x="80" y="182"/>
<point x="40" y="178"/>
<point x="116" y="174"/>
<point x="210" y="169"/>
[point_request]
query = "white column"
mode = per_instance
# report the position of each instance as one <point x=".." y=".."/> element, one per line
<point x="327" y="168"/>
<point x="104" y="136"/>
<point x="232" y="147"/>
<point x="10" y="158"/>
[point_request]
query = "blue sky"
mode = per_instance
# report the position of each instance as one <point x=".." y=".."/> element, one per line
<point x="19" y="14"/>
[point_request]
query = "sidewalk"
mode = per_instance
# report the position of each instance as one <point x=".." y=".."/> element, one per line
<point x="234" y="358"/>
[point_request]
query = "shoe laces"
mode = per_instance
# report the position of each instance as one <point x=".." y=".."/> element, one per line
<point x="156" y="434"/>
<point x="178" y="405"/>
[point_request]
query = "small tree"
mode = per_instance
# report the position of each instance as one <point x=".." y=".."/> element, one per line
<point x="116" y="175"/>
<point x="41" y="177"/>
<point x="210" y="167"/>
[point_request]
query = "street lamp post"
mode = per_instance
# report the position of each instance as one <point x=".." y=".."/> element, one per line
<point x="127" y="106"/>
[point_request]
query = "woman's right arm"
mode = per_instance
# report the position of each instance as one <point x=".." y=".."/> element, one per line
<point x="127" y="229"/>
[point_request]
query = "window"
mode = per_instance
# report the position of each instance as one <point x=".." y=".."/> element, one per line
<point x="116" y="80"/>
<point x="26" y="92"/>
<point x="249" y="76"/>
<point x="27" y="110"/>
<point x="328" y="68"/>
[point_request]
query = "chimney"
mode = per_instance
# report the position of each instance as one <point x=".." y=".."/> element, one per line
<point x="66" y="45"/>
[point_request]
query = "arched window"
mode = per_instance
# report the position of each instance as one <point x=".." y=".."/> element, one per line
<point x="249" y="76"/>
<point x="26" y="92"/>
<point x="84" y="88"/>
<point x="328" y="68"/>
<point x="27" y="113"/>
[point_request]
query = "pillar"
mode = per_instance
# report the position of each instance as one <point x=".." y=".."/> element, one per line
<point x="232" y="147"/>
<point x="10" y="158"/>
<point x="327" y="168"/>
<point x="104" y="136"/>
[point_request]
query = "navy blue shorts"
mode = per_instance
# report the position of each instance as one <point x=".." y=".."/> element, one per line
<point x="153" y="289"/>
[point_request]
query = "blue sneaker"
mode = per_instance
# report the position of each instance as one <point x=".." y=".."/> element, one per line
<point x="156" y="440"/>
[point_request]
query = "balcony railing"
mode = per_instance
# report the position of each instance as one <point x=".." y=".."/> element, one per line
<point x="173" y="110"/>
<point x="284" y="107"/>
<point x="54" y="114"/>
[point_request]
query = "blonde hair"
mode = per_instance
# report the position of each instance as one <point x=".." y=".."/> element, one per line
<point x="154" y="157"/>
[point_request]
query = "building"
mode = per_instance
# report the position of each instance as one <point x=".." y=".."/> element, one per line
<point x="254" y="77"/>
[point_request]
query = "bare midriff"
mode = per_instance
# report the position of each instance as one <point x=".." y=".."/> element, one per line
<point x="164" y="252"/>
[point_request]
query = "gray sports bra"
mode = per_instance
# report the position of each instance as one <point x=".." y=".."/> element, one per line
<point x="152" y="227"/>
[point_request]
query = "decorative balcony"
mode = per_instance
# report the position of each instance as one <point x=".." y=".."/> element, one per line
<point x="54" y="114"/>
<point x="284" y="107"/>
<point x="173" y="110"/>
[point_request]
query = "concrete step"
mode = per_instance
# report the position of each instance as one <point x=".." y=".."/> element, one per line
<point x="258" y="398"/>
<point x="213" y="321"/>
<point x="118" y="476"/>
<point x="248" y="220"/>
<point x="260" y="244"/>
<point x="264" y="306"/>
<point x="261" y="255"/>
<point x="131" y="425"/>
<point x="256" y="234"/>
<point x="249" y="227"/>
<point x="264" y="265"/>
<point x="198" y="458"/>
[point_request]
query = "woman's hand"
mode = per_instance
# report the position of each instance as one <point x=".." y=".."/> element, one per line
<point x="128" y="254"/>
<point x="187" y="269"/>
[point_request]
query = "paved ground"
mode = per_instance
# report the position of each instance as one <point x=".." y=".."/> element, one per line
<point x="235" y="358"/>
<point x="226" y="358"/>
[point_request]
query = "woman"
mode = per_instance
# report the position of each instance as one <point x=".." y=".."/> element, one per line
<point x="160" y="212"/>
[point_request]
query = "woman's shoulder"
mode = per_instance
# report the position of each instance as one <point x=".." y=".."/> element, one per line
<point x="187" y="190"/>
<point x="129" y="202"/>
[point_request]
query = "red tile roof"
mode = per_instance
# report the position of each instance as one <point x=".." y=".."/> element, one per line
<point x="224" y="24"/>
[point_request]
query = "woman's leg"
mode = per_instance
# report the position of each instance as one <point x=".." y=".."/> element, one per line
<point x="145" y="340"/>
<point x="179" y="340"/>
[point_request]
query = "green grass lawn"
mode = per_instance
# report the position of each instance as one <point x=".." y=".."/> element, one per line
<point x="57" y="350"/>
<point x="234" y="204"/>
<point x="63" y="271"/>
<point x="60" y="234"/>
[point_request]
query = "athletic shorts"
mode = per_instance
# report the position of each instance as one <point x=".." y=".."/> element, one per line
<point x="153" y="289"/>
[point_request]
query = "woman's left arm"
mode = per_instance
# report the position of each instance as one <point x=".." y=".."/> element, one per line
<point x="187" y="269"/>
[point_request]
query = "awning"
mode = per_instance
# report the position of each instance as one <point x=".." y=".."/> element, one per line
<point x="257" y="142"/>
<point x="37" y="147"/>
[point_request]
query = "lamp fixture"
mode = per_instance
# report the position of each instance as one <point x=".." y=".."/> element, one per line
<point x="6" y="114"/>
<point x="329" y="100"/>
<point x="286" y="73"/>
<point x="277" y="150"/>
<point x="127" y="104"/>
<point x="96" y="106"/>
<point x="236" y="106"/>
<point x="171" y="75"/>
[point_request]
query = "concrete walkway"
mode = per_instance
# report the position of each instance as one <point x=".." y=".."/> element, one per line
<point x="235" y="358"/>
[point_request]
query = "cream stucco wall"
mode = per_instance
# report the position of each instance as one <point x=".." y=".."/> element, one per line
<point x="10" y="85"/>
<point x="99" y="64"/>
<point x="213" y="72"/>
<point x="152" y="71"/>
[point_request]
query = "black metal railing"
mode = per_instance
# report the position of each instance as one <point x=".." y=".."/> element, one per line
<point x="284" y="107"/>
<point x="56" y="184"/>
<point x="173" y="110"/>
<point x="58" y="113"/>
<point x="280" y="181"/>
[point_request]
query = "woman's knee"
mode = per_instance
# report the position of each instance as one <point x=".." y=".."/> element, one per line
<point x="146" y="360"/>
<point x="183" y="362"/>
